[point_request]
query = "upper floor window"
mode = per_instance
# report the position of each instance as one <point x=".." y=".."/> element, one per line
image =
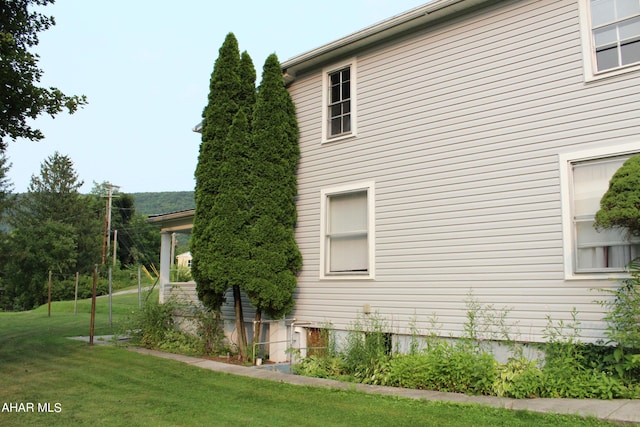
<point x="616" y="32"/>
<point x="612" y="30"/>
<point x="339" y="103"/>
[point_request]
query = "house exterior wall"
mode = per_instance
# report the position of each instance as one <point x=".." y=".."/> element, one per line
<point x="462" y="127"/>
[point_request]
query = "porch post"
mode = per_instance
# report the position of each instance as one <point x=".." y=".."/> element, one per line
<point x="165" y="263"/>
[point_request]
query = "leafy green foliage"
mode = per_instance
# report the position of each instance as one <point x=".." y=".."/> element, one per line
<point x="275" y="256"/>
<point x="6" y="198"/>
<point x="36" y="250"/>
<point x="571" y="369"/>
<point x="20" y="97"/>
<point x="154" y="327"/>
<point x="620" y="205"/>
<point x="56" y="229"/>
<point x="623" y="325"/>
<point x="445" y="367"/>
<point x="224" y="92"/>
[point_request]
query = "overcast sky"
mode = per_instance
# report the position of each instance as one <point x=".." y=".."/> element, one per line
<point x="145" y="65"/>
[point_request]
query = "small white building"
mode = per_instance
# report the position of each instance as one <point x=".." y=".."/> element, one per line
<point x="183" y="260"/>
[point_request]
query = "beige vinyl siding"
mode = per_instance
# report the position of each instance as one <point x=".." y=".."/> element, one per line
<point x="460" y="127"/>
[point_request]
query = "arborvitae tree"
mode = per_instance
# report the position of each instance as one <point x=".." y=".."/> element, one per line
<point x="219" y="253"/>
<point x="247" y="97"/>
<point x="620" y="205"/>
<point x="275" y="257"/>
<point x="224" y="89"/>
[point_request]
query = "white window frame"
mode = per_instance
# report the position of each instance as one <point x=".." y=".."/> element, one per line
<point x="325" y="194"/>
<point x="326" y="87"/>
<point x="588" y="49"/>
<point x="565" y="162"/>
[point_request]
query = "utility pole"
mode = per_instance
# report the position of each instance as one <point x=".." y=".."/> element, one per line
<point x="106" y="242"/>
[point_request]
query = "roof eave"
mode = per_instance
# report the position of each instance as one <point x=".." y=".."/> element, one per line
<point x="377" y="33"/>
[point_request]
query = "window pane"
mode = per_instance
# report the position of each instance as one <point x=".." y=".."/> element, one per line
<point x="346" y="123"/>
<point x="602" y="11"/>
<point x="335" y="79"/>
<point x="346" y="74"/>
<point x="607" y="58"/>
<point x="336" y="128"/>
<point x="607" y="257"/>
<point x="589" y="236"/>
<point x="346" y="90"/>
<point x="605" y="35"/>
<point x="626" y="8"/>
<point x="346" y="107"/>
<point x="336" y="110"/>
<point x="630" y="52"/>
<point x="590" y="182"/>
<point x="335" y="94"/>
<point x="348" y="212"/>
<point x="348" y="254"/>
<point x="347" y="240"/>
<point x="630" y="28"/>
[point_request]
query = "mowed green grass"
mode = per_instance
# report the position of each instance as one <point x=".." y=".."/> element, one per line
<point x="108" y="386"/>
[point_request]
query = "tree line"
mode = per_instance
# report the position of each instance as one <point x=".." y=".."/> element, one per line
<point x="52" y="227"/>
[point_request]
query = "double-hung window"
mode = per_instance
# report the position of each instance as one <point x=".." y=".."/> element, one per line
<point x="593" y="251"/>
<point x="347" y="232"/>
<point x="339" y="103"/>
<point x="613" y="28"/>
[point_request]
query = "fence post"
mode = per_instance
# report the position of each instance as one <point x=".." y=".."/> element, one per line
<point x="93" y="304"/>
<point x="110" y="299"/>
<point x="49" y="297"/>
<point x="139" y="289"/>
<point x="75" y="295"/>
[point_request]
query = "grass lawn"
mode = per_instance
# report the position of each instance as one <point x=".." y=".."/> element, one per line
<point x="107" y="386"/>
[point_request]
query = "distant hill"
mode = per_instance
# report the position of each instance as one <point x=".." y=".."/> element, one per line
<point x="163" y="202"/>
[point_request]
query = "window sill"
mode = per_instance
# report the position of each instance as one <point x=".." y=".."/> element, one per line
<point x="338" y="138"/>
<point x="347" y="277"/>
<point x="610" y="277"/>
<point x="601" y="75"/>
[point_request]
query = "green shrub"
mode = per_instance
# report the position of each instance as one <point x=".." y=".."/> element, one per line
<point x="367" y="350"/>
<point x="211" y="331"/>
<point x="571" y="369"/>
<point x="444" y="367"/>
<point x="623" y="326"/>
<point x="519" y="378"/>
<point x="320" y="367"/>
<point x="149" y="326"/>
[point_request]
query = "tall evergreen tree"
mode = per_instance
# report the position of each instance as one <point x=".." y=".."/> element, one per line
<point x="247" y="97"/>
<point x="222" y="106"/>
<point x="56" y="229"/>
<point x="219" y="252"/>
<point x="276" y="259"/>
